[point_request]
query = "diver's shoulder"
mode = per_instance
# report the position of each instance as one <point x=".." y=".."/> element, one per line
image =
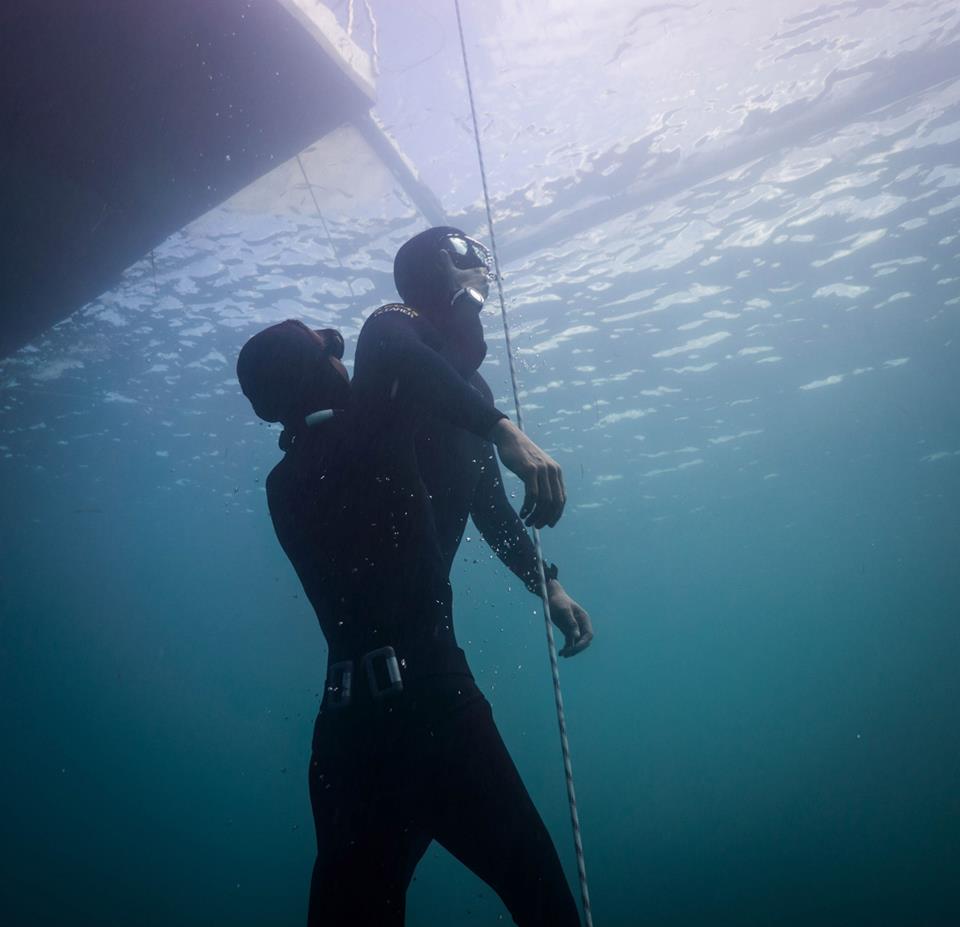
<point x="393" y="310"/>
<point x="392" y="318"/>
<point x="398" y="321"/>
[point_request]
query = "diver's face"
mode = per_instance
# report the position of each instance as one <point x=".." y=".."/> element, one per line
<point x="478" y="279"/>
<point x="452" y="278"/>
<point x="325" y="384"/>
<point x="332" y="344"/>
<point x="460" y="321"/>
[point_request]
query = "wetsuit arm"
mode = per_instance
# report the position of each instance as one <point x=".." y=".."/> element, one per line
<point x="500" y="526"/>
<point x="496" y="519"/>
<point x="397" y="372"/>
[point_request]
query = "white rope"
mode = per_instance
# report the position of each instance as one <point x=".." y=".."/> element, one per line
<point x="323" y="222"/>
<point x="551" y="644"/>
<point x="374" y="39"/>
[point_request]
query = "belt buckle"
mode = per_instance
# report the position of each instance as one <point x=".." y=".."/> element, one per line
<point x="339" y="685"/>
<point x="384" y="678"/>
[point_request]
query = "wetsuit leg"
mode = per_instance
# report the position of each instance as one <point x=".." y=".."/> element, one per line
<point x="482" y="814"/>
<point x="368" y="838"/>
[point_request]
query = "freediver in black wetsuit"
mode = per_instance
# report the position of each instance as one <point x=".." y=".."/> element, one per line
<point x="405" y="748"/>
<point x="446" y="276"/>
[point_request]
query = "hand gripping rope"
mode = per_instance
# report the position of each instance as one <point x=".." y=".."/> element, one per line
<point x="551" y="645"/>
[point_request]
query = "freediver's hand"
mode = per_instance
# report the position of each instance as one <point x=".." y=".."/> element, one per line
<point x="545" y="495"/>
<point x="570" y="618"/>
<point x="455" y="279"/>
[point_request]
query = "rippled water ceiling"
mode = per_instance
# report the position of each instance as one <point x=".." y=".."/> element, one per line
<point x="638" y="148"/>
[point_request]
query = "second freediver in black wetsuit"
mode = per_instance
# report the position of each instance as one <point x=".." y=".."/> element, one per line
<point x="405" y="748"/>
<point x="446" y="276"/>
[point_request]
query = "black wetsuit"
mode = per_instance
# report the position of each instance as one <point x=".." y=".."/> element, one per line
<point x="462" y="475"/>
<point x="389" y="775"/>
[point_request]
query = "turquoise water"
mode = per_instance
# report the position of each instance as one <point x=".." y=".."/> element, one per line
<point x="734" y="283"/>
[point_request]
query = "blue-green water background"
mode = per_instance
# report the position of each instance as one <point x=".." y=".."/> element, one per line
<point x="747" y="366"/>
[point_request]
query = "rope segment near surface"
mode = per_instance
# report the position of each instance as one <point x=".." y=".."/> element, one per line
<point x="551" y="644"/>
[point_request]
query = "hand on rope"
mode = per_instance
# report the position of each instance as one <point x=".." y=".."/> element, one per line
<point x="571" y="619"/>
<point x="545" y="495"/>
